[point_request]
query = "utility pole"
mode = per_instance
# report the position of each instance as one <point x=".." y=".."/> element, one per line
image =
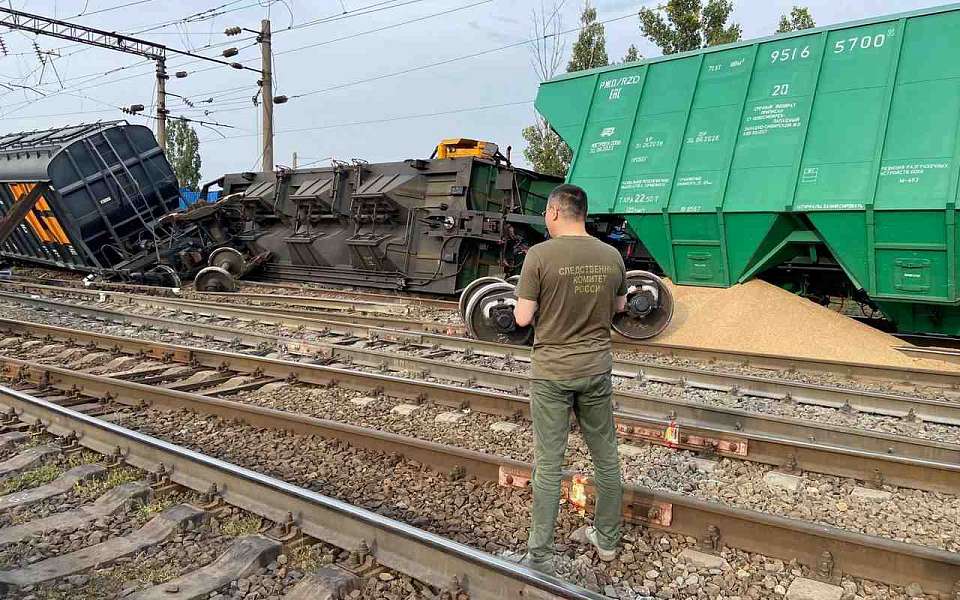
<point x="294" y="160"/>
<point x="266" y="93"/>
<point x="162" y="103"/>
<point x="266" y="87"/>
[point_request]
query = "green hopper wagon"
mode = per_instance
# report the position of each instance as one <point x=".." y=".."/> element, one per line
<point x="832" y="146"/>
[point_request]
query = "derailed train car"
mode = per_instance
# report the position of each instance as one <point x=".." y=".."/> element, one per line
<point x="419" y="225"/>
<point x="103" y="199"/>
<point x="90" y="198"/>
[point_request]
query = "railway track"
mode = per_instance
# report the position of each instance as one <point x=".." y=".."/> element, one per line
<point x="40" y="378"/>
<point x="440" y="336"/>
<point x="650" y="355"/>
<point x="375" y="544"/>
<point x="300" y="292"/>
<point x="255" y="292"/>
<point x="854" y="554"/>
<point x="800" y="444"/>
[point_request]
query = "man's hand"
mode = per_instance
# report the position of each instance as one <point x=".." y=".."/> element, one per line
<point x="524" y="311"/>
<point x="620" y="304"/>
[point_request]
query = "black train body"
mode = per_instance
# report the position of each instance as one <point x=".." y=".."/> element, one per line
<point x="106" y="188"/>
<point x="419" y="225"/>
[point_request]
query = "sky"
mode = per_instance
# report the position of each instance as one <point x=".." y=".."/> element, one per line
<point x="377" y="80"/>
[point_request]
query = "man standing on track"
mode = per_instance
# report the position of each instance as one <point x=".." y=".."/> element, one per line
<point x="574" y="283"/>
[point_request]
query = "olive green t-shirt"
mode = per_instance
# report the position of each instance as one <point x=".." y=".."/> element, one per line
<point x="575" y="281"/>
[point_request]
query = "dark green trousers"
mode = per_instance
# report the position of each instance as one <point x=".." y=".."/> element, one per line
<point x="551" y="403"/>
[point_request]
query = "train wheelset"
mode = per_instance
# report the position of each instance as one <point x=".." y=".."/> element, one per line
<point x="486" y="306"/>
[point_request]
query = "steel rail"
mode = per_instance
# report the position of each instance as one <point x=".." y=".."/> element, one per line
<point x="828" y="396"/>
<point x="289" y="317"/>
<point x="432" y="332"/>
<point x="420" y="554"/>
<point x="951" y="355"/>
<point x="374" y="297"/>
<point x="943" y="412"/>
<point x="338" y="304"/>
<point x="134" y="288"/>
<point x="777" y="441"/>
<point x="855" y="554"/>
<point x="322" y="302"/>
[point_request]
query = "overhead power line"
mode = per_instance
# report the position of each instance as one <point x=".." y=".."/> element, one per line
<point x="448" y="60"/>
<point x="97" y="37"/>
<point x="41" y="25"/>
<point x="103" y="10"/>
<point x="356" y="12"/>
<point x="388" y="119"/>
<point x="385" y="27"/>
<point x="203" y="15"/>
<point x="360" y="11"/>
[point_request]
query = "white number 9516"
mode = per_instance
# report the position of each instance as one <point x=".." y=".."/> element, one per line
<point x="788" y="54"/>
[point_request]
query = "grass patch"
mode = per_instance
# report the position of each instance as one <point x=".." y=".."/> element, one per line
<point x="13" y="556"/>
<point x="94" y="488"/>
<point x="148" y="573"/>
<point x="309" y="557"/>
<point x="33" y="442"/>
<point x="84" y="457"/>
<point x="146" y="511"/>
<point x="247" y="525"/>
<point x="52" y="594"/>
<point x="107" y="583"/>
<point x="30" y="479"/>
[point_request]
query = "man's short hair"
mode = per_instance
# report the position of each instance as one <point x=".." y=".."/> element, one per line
<point x="570" y="199"/>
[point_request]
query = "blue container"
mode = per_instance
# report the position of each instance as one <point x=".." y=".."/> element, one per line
<point x="188" y="197"/>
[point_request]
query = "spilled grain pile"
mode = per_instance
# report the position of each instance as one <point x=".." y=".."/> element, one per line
<point x="763" y="318"/>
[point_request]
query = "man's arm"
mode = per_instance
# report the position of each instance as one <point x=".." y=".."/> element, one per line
<point x="528" y="289"/>
<point x="620" y="301"/>
<point x="524" y="311"/>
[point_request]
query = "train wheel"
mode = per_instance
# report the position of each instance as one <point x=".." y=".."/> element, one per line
<point x="168" y="276"/>
<point x="649" y="307"/>
<point x="215" y="279"/>
<point x="228" y="259"/>
<point x="474" y="285"/>
<point x="489" y="315"/>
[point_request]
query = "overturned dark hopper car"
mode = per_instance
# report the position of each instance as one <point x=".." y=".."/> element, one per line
<point x="418" y="225"/>
<point x="88" y="198"/>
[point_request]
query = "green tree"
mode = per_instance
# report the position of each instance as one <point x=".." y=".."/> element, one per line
<point x="545" y="150"/>
<point x="799" y="18"/>
<point x="684" y="25"/>
<point x="590" y="49"/>
<point x="183" y="152"/>
<point x="632" y="55"/>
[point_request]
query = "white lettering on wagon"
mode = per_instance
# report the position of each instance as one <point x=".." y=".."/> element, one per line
<point x="910" y="173"/>
<point x="616" y="85"/>
<point x="769" y="117"/>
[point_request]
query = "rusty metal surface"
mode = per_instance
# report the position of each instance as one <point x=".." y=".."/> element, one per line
<point x="773" y="440"/>
<point x="420" y="554"/>
<point x="854" y="554"/>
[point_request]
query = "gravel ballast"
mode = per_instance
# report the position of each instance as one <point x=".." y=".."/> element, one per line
<point x="481" y="514"/>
